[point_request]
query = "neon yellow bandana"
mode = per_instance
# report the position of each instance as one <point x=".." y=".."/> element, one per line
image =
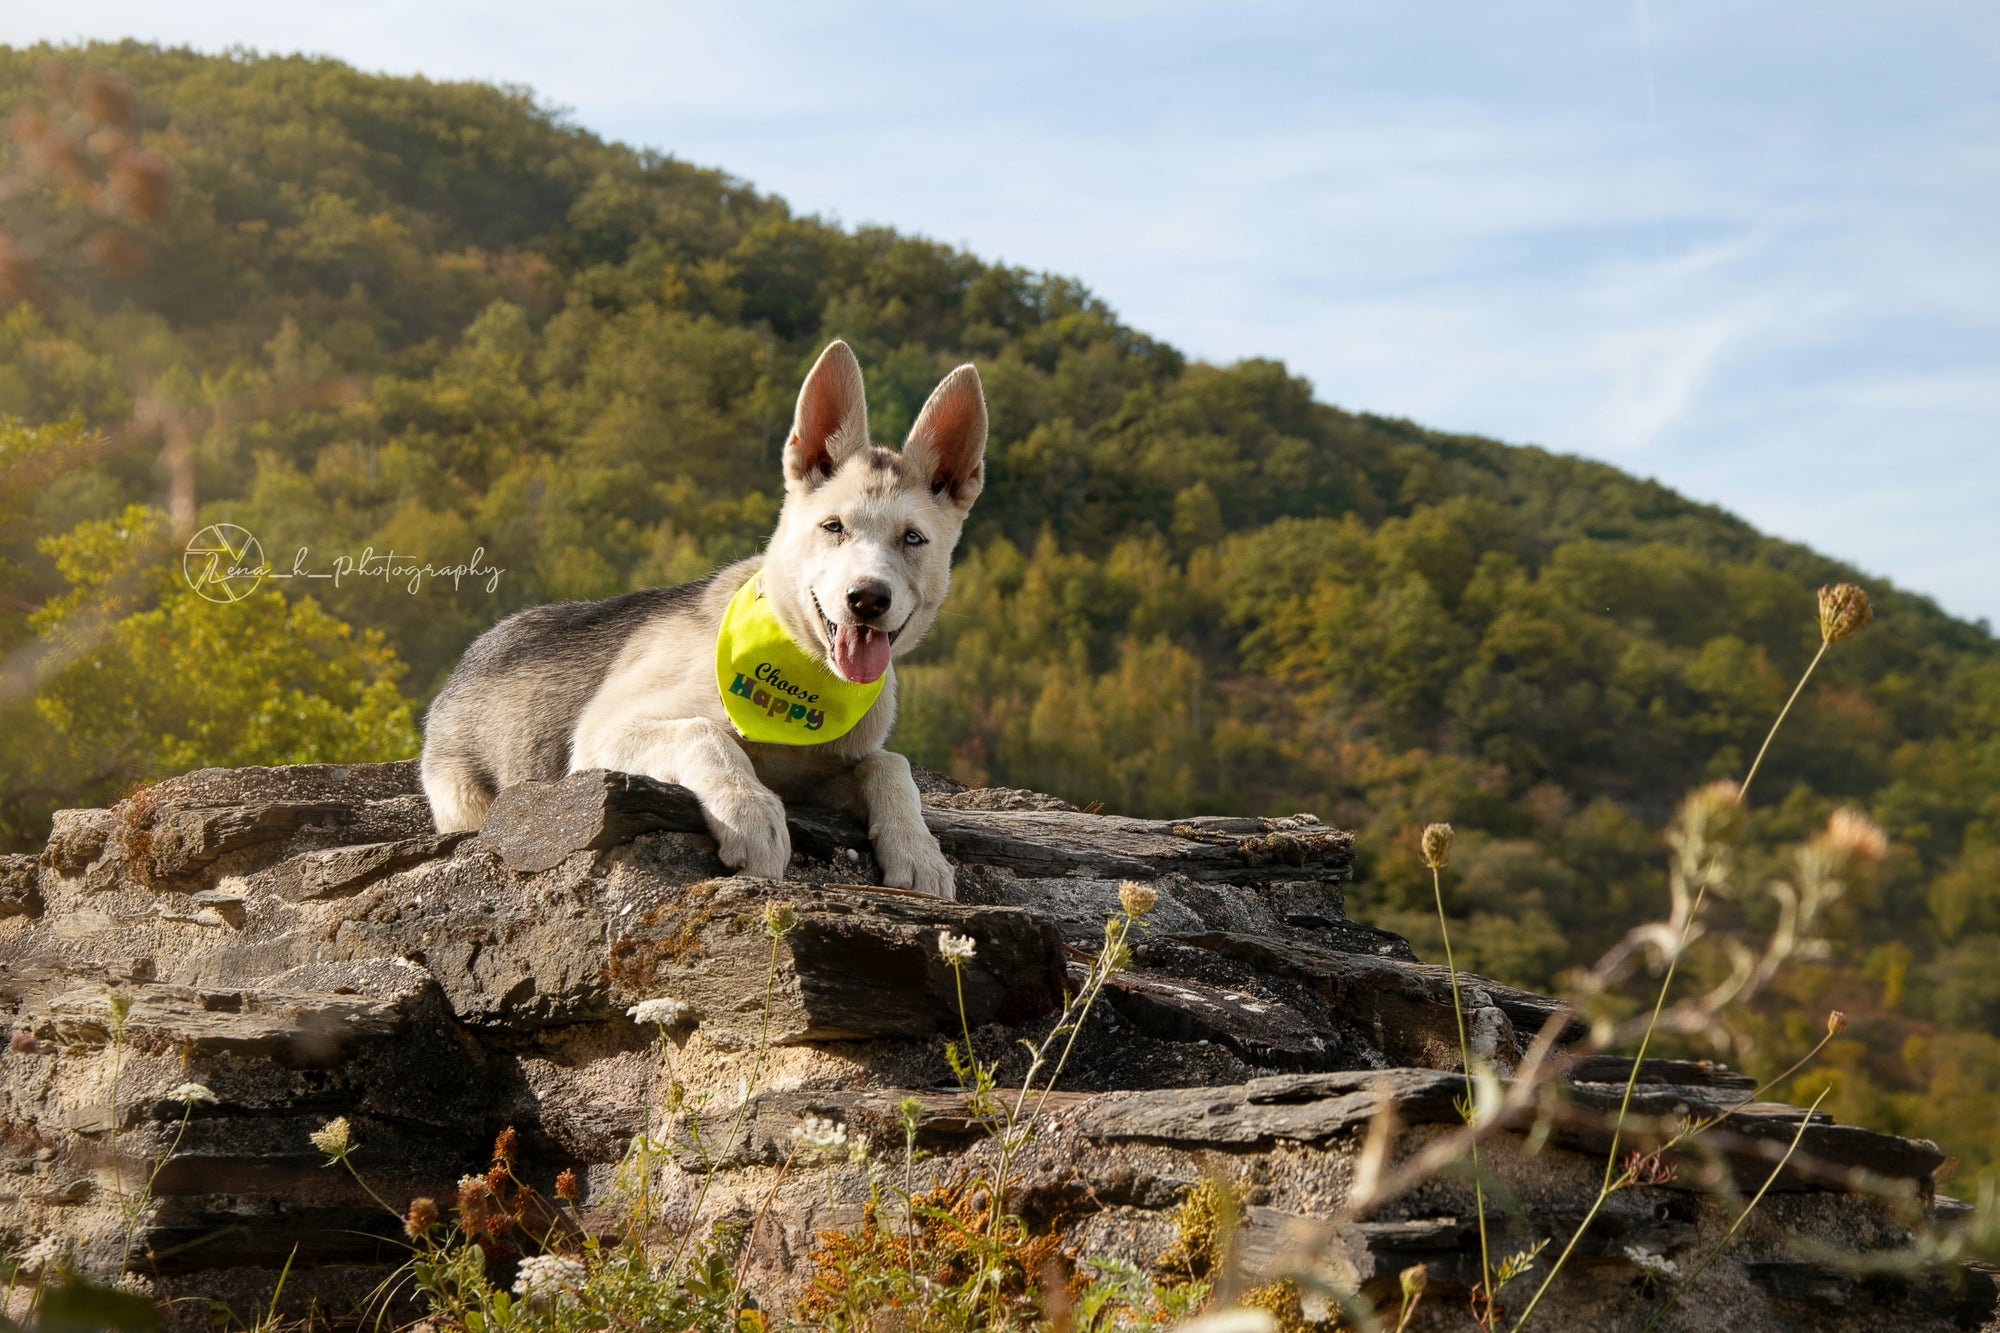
<point x="772" y="689"/>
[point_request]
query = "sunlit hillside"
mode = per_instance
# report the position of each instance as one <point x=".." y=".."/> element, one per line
<point x="438" y="319"/>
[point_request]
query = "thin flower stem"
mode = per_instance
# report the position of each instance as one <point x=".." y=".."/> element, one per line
<point x="1744" y="790"/>
<point x="910" y="1190"/>
<point x="365" y="1186"/>
<point x="1742" y="1217"/>
<point x="1611" y="1182"/>
<point x="1471" y="1100"/>
<point x="750" y="1241"/>
<point x="1099" y="976"/>
<point x="1611" y="1179"/>
<point x="159" y="1165"/>
<point x="964" y="1023"/>
<point x="1755" y="1094"/>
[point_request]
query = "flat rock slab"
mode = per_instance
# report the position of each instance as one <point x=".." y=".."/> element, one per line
<point x="1314" y="1108"/>
<point x="293" y="1026"/>
<point x="858" y="963"/>
<point x="1261" y="1029"/>
<point x="537" y="825"/>
<point x="1054" y="843"/>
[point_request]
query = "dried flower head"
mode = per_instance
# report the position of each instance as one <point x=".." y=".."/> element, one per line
<point x="1649" y="1168"/>
<point x="779" y="918"/>
<point x="956" y="949"/>
<point x="826" y="1139"/>
<point x="24" y="1043"/>
<point x="423" y="1215"/>
<point x="120" y="1004"/>
<point x="1713" y="813"/>
<point x="1437" y="846"/>
<point x="506" y="1147"/>
<point x="1843" y="611"/>
<point x="334" y="1138"/>
<point x="474" y="1203"/>
<point x="191" y="1094"/>
<point x="1136" y="899"/>
<point x="548" y="1279"/>
<point x="1857" y="837"/>
<point x="666" y="1012"/>
<point x="566" y="1188"/>
<point x="1836" y="1023"/>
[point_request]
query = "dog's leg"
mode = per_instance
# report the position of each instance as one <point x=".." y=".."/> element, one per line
<point x="906" y="848"/>
<point x="746" y="817"/>
<point x="459" y="798"/>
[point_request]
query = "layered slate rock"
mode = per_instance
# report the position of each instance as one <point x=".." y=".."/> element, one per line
<point x="303" y="943"/>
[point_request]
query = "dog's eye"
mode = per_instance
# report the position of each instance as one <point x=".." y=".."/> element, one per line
<point x="914" y="538"/>
<point x="832" y="525"/>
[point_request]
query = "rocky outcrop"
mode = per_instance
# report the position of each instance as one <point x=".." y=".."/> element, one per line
<point x="301" y="942"/>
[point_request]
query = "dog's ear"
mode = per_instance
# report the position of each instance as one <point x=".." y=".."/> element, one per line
<point x="948" y="443"/>
<point x="832" y="417"/>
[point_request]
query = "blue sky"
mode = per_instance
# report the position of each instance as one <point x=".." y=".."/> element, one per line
<point x="1753" y="251"/>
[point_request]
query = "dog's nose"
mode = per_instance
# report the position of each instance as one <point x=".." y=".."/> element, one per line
<point x="868" y="599"/>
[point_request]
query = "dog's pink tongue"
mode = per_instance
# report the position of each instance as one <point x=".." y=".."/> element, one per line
<point x="862" y="654"/>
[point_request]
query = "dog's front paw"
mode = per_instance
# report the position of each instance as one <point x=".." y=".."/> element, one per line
<point x="912" y="861"/>
<point x="750" y="833"/>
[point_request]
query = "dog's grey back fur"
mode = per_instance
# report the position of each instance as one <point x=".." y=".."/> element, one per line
<point x="509" y="712"/>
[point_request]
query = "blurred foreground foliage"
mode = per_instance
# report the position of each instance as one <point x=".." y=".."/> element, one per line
<point x="1188" y="588"/>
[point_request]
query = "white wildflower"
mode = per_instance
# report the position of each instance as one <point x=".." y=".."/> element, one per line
<point x="821" y="1138"/>
<point x="334" y="1138"/>
<point x="191" y="1094"/>
<point x="858" y="1149"/>
<point x="955" y="948"/>
<point x="665" y="1011"/>
<point x="543" y="1278"/>
<point x="1657" y="1264"/>
<point x="44" y="1254"/>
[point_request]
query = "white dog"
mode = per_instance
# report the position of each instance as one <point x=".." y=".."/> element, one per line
<point x="770" y="678"/>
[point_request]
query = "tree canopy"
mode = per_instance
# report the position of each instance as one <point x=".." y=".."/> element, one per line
<point x="1187" y="588"/>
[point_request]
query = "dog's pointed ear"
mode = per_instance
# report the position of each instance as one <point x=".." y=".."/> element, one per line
<point x="832" y="417"/>
<point x="948" y="443"/>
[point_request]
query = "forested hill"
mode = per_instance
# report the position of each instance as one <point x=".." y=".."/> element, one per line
<point x="1187" y="587"/>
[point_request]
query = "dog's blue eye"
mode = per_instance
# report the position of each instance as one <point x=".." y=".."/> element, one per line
<point x="914" y="538"/>
<point x="832" y="525"/>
